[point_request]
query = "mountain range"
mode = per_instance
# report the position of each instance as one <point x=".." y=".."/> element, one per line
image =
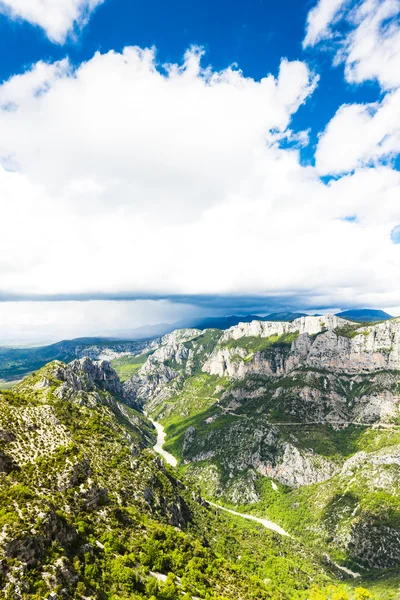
<point x="18" y="362"/>
<point x="293" y="422"/>
<point x="297" y="420"/>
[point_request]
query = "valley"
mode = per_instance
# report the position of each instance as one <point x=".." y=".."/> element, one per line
<point x="260" y="461"/>
<point x="297" y="421"/>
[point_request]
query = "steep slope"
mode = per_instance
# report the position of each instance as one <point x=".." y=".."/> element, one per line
<point x="297" y="419"/>
<point x="87" y="510"/>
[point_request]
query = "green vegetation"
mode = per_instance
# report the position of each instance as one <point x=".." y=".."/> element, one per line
<point x="86" y="506"/>
<point x="258" y="344"/>
<point x="202" y="346"/>
<point x="89" y="503"/>
<point x="127" y="366"/>
<point x="351" y="330"/>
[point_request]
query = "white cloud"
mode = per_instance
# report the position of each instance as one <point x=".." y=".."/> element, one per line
<point x="360" y="134"/>
<point x="319" y="20"/>
<point x="366" y="36"/>
<point x="57" y="17"/>
<point x="118" y="121"/>
<point x="132" y="181"/>
<point x="372" y="50"/>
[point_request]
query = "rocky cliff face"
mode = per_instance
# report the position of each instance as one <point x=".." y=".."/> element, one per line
<point x="81" y="380"/>
<point x="298" y="404"/>
<point x="166" y="369"/>
<point x="345" y="352"/>
<point x="264" y="329"/>
<point x="329" y="344"/>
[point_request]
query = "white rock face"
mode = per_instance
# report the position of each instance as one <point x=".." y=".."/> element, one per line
<point x="362" y="459"/>
<point x="295" y="468"/>
<point x="171" y="348"/>
<point x="266" y="329"/>
<point x="256" y="329"/>
<point x="374" y="348"/>
<point x="150" y="384"/>
<point x="237" y="363"/>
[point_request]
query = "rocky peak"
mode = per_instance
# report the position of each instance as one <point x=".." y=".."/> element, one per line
<point x="81" y="380"/>
<point x="87" y="375"/>
<point x="302" y="325"/>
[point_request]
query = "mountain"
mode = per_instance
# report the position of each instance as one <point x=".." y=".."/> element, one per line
<point x="232" y="320"/>
<point x="221" y="322"/>
<point x="297" y="421"/>
<point x="284" y="316"/>
<point x="17" y="362"/>
<point x="88" y="510"/>
<point x="364" y="315"/>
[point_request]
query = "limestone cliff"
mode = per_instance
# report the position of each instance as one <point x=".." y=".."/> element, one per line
<point x="311" y="405"/>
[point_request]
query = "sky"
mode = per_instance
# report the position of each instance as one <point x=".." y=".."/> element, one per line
<point x="160" y="161"/>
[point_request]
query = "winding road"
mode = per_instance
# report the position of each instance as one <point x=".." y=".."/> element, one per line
<point x="171" y="460"/>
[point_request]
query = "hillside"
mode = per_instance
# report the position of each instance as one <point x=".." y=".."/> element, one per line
<point x="15" y="363"/>
<point x="296" y="421"/>
<point x="88" y="510"/>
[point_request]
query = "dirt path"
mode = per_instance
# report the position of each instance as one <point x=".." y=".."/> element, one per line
<point x="265" y="522"/>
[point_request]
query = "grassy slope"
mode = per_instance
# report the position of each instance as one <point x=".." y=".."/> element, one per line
<point x="127" y="366"/>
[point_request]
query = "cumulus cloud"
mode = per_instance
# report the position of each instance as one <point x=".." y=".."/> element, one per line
<point x="319" y="20"/>
<point x="56" y="17"/>
<point x="125" y="177"/>
<point x="360" y="134"/>
<point x="118" y="128"/>
<point x="365" y="38"/>
<point x="372" y="50"/>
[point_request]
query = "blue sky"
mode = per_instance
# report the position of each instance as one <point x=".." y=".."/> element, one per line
<point x="255" y="35"/>
<point x="259" y="169"/>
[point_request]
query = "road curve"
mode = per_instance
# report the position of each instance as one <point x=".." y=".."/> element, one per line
<point x="171" y="460"/>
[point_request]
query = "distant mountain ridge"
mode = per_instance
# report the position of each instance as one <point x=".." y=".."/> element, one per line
<point x="18" y="362"/>
<point x="232" y="320"/>
<point x="364" y="315"/>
